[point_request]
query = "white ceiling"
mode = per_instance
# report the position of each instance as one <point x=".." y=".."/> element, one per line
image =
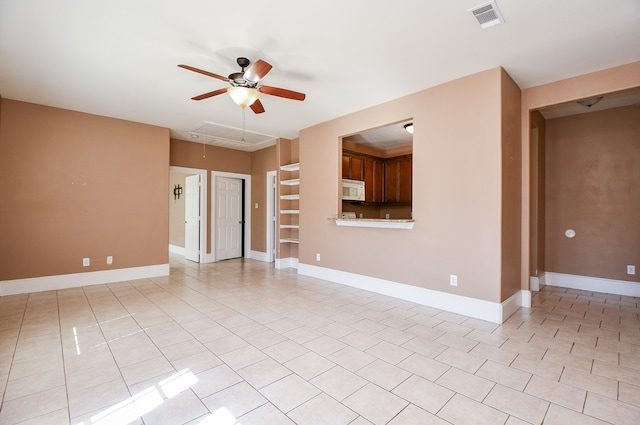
<point x="593" y="104"/>
<point x="384" y="138"/>
<point x="119" y="58"/>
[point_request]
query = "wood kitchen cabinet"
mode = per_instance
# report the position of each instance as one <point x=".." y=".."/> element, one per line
<point x="352" y="166"/>
<point x="373" y="180"/>
<point x="385" y="180"/>
<point x="346" y="163"/>
<point x="397" y="173"/>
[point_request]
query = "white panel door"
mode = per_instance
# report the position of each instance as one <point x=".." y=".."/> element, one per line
<point x="273" y="233"/>
<point x="229" y="222"/>
<point x="192" y="218"/>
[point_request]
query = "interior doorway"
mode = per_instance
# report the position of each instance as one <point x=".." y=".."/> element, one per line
<point x="581" y="179"/>
<point x="192" y="218"/>
<point x="229" y="217"/>
<point x="271" y="216"/>
<point x="230" y="201"/>
<point x="177" y="213"/>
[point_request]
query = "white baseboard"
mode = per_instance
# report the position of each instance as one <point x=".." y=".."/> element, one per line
<point x="178" y="250"/>
<point x="521" y="298"/>
<point x="175" y="249"/>
<point x="594" y="284"/>
<point x="472" y="307"/>
<point x="259" y="255"/>
<point x="51" y="283"/>
<point x="535" y="283"/>
<point x="283" y="263"/>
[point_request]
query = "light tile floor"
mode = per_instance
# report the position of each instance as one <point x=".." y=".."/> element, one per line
<point x="238" y="342"/>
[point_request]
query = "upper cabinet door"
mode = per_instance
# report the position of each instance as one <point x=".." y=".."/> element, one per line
<point x="357" y="167"/>
<point x="352" y="166"/>
<point x="404" y="179"/>
<point x="346" y="166"/>
<point x="391" y="180"/>
<point x="373" y="180"/>
<point x="397" y="175"/>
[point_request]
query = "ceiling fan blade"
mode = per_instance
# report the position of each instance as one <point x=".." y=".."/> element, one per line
<point x="289" y="94"/>
<point x="257" y="71"/>
<point x="257" y="107"/>
<point x="203" y="72"/>
<point x="210" y="94"/>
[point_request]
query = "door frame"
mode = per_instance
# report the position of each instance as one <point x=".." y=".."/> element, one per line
<point x="246" y="210"/>
<point x="271" y="215"/>
<point x="203" y="206"/>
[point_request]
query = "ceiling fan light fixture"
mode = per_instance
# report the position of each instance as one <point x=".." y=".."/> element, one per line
<point x="409" y="127"/>
<point x="243" y="96"/>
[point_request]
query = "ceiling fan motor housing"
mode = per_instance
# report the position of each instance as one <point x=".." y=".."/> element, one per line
<point x="237" y="78"/>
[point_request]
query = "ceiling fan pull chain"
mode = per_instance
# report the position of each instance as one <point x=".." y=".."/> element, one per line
<point x="243" y="125"/>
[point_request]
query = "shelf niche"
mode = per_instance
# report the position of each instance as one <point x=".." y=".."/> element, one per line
<point x="288" y="195"/>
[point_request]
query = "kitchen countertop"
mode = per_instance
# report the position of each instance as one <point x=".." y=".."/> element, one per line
<point x="391" y="223"/>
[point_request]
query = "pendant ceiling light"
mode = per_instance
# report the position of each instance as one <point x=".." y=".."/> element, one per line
<point x="243" y="96"/>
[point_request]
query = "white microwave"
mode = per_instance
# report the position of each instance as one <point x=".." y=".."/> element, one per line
<point x="352" y="190"/>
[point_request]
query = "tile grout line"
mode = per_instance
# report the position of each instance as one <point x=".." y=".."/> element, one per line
<point x="15" y="348"/>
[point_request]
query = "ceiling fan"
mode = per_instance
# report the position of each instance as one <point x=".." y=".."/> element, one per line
<point x="244" y="89"/>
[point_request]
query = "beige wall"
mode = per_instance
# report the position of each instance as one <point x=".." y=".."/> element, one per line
<point x="593" y="187"/>
<point x="210" y="158"/>
<point x="77" y="185"/>
<point x="537" y="195"/>
<point x="511" y="183"/>
<point x="262" y="161"/>
<point x="581" y="87"/>
<point x="177" y="209"/>
<point x="457" y="192"/>
<point x="214" y="158"/>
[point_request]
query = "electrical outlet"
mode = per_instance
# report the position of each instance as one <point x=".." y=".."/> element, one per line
<point x="86" y="262"/>
<point x="318" y="256"/>
<point x="453" y="280"/>
<point x="631" y="269"/>
<point x="109" y="259"/>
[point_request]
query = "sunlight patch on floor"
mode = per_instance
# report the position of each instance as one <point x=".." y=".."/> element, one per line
<point x="146" y="400"/>
<point x="220" y="417"/>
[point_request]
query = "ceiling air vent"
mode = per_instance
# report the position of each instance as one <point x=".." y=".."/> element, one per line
<point x="487" y="14"/>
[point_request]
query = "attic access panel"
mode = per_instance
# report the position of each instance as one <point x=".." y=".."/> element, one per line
<point x="231" y="137"/>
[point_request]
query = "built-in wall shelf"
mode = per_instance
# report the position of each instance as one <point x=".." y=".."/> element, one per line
<point x="290" y="167"/>
<point x="288" y="200"/>
<point x="292" y="197"/>
<point x="290" y="182"/>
